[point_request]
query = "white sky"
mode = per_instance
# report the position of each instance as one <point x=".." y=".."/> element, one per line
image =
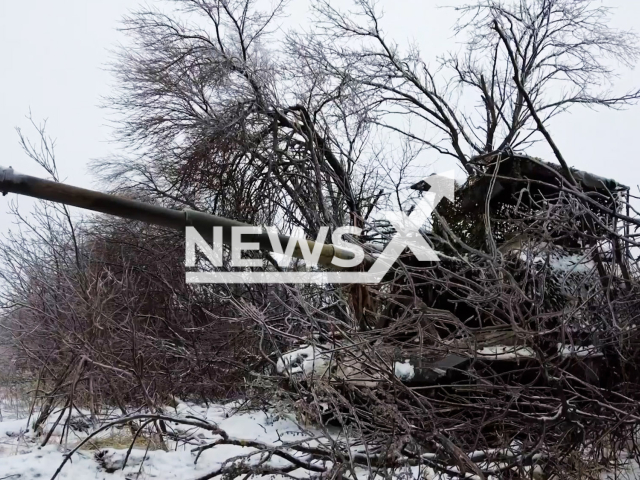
<point x="54" y="55"/>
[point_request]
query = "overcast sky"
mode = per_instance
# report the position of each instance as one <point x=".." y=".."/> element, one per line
<point x="54" y="56"/>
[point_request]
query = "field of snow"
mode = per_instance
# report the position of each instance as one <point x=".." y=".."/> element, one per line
<point x="23" y="458"/>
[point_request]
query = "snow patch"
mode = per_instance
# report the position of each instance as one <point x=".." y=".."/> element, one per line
<point x="308" y="360"/>
<point x="22" y="457"/>
<point x="561" y="263"/>
<point x="578" y="351"/>
<point x="571" y="263"/>
<point x="404" y="371"/>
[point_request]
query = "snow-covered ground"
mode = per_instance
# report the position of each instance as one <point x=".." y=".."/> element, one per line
<point x="22" y="457"/>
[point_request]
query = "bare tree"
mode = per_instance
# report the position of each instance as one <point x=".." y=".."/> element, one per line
<point x="525" y="62"/>
<point x="210" y="116"/>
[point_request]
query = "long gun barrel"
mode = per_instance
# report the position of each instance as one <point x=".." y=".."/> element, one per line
<point x="11" y="182"/>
